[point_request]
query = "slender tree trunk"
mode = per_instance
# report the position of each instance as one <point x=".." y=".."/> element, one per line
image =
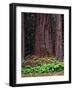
<point x="59" y="49"/>
<point x="37" y="36"/>
<point x="42" y="35"/>
<point x="22" y="39"/>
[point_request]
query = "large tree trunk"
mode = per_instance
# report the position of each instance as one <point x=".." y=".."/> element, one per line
<point x="42" y="35"/>
<point x="40" y="46"/>
<point x="43" y="39"/>
<point x="48" y="37"/>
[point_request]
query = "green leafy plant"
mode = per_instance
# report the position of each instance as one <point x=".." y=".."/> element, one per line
<point x="43" y="68"/>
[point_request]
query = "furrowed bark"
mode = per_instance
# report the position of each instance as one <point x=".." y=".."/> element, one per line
<point x="59" y="47"/>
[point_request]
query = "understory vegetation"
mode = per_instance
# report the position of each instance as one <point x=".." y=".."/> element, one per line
<point x="42" y="65"/>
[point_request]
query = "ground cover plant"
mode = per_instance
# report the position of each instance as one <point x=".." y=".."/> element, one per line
<point x="34" y="66"/>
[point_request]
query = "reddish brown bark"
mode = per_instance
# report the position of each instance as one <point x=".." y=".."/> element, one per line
<point x="48" y="38"/>
<point x="40" y="47"/>
<point x="42" y="35"/>
<point x="22" y="39"/>
<point x="43" y="41"/>
<point x="48" y="34"/>
<point x="37" y="36"/>
<point x="59" y="49"/>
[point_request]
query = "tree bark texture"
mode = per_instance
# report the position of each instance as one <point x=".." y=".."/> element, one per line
<point x="43" y="34"/>
<point x="59" y="47"/>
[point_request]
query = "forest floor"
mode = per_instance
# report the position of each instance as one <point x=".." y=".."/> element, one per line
<point x="59" y="73"/>
<point x="42" y="66"/>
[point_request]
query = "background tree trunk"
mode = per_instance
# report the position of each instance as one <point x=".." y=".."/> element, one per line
<point x="37" y="36"/>
<point x="22" y="38"/>
<point x="59" y="46"/>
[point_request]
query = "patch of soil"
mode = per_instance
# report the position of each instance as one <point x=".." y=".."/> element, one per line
<point x="43" y="74"/>
<point x="33" y="60"/>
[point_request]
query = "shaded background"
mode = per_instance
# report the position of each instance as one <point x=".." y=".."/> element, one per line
<point x="42" y="34"/>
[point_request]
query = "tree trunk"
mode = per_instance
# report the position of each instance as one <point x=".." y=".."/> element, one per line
<point x="43" y="39"/>
<point x="37" y="36"/>
<point x="59" y="47"/>
<point x="22" y="39"/>
<point x="48" y="37"/>
<point x="42" y="35"/>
